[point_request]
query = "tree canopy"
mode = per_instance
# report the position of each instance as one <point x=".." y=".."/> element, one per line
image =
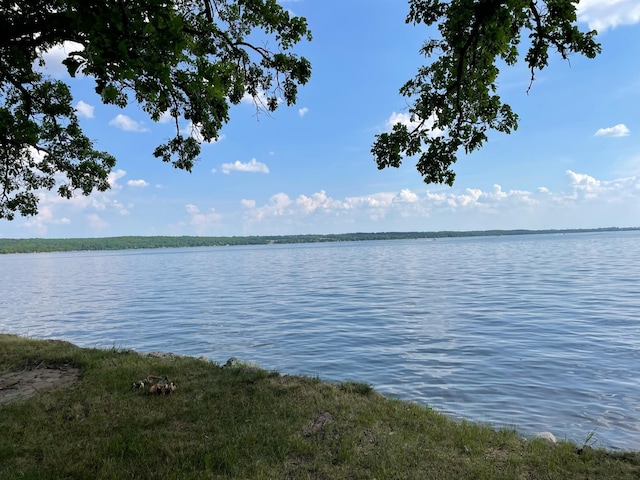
<point x="191" y="59"/>
<point x="453" y="100"/>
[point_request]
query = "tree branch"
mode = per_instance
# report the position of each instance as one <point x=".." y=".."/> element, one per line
<point x="26" y="95"/>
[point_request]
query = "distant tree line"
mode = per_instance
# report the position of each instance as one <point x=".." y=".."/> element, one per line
<point x="33" y="245"/>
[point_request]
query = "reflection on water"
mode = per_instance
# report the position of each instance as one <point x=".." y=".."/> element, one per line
<point x="538" y="332"/>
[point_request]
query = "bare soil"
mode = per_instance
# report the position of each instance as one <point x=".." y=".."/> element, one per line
<point x="34" y="380"/>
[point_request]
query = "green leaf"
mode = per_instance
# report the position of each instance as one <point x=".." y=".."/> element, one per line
<point x="458" y="84"/>
<point x="170" y="55"/>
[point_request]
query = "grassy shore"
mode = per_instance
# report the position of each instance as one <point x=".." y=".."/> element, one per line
<point x="242" y="422"/>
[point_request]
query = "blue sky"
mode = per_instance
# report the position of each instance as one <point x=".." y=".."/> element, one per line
<point x="574" y="162"/>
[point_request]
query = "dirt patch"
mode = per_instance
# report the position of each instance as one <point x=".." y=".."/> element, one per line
<point x="317" y="424"/>
<point x="31" y="381"/>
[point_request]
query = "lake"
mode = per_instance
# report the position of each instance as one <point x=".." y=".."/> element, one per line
<point x="536" y="332"/>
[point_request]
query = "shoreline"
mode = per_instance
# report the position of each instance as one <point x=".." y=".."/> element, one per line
<point x="49" y="245"/>
<point x="200" y="419"/>
<point x="545" y="435"/>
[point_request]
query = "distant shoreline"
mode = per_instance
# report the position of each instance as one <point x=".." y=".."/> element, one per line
<point x="42" y="245"/>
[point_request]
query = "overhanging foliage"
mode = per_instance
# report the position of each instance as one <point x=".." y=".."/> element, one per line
<point x="453" y="99"/>
<point x="189" y="58"/>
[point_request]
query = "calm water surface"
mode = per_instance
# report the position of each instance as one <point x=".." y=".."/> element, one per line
<point x="539" y="332"/>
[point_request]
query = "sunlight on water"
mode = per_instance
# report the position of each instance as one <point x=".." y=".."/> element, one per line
<point x="538" y="332"/>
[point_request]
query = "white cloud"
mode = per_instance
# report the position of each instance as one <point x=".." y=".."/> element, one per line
<point x="55" y="55"/>
<point x="137" y="183"/>
<point x="37" y="155"/>
<point x="279" y="202"/>
<point x="202" y="221"/>
<point x="471" y="197"/>
<point x="590" y="202"/>
<point x="282" y="208"/>
<point x="113" y="178"/>
<point x="374" y="200"/>
<point x="403" y="118"/>
<point x="582" y="179"/>
<point x="471" y="209"/>
<point x="412" y="123"/>
<point x="84" y="109"/>
<point x="120" y="208"/>
<point x="604" y="14"/>
<point x="123" y="122"/>
<point x="194" y="131"/>
<point x="45" y="218"/>
<point x="303" y="111"/>
<point x="259" y="101"/>
<point x="100" y="203"/>
<point x="165" y="117"/>
<point x="475" y="198"/>
<point x="406" y="196"/>
<point x="249" y="100"/>
<point x="583" y="185"/>
<point x="96" y="222"/>
<point x="583" y="201"/>
<point x="253" y="166"/>
<point x="619" y="130"/>
<point x="277" y="206"/>
<point x="79" y="210"/>
<point x="316" y="201"/>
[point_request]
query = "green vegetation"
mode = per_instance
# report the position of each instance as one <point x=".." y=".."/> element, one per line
<point x="193" y="59"/>
<point x="32" y="245"/>
<point x="189" y="59"/>
<point x="453" y="100"/>
<point x="243" y="422"/>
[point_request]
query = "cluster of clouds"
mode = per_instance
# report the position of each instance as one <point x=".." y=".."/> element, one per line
<point x="578" y="202"/>
<point x="127" y="124"/>
<point x="583" y="199"/>
<point x="120" y="121"/>
<point x="53" y="65"/>
<point x="406" y="202"/>
<point x="472" y="208"/>
<point x="602" y="15"/>
<point x="202" y="221"/>
<point x="497" y="207"/>
<point x="54" y="210"/>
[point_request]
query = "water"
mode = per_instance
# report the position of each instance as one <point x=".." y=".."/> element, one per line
<point x="536" y="332"/>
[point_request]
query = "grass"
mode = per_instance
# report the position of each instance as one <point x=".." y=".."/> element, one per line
<point x="241" y="422"/>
